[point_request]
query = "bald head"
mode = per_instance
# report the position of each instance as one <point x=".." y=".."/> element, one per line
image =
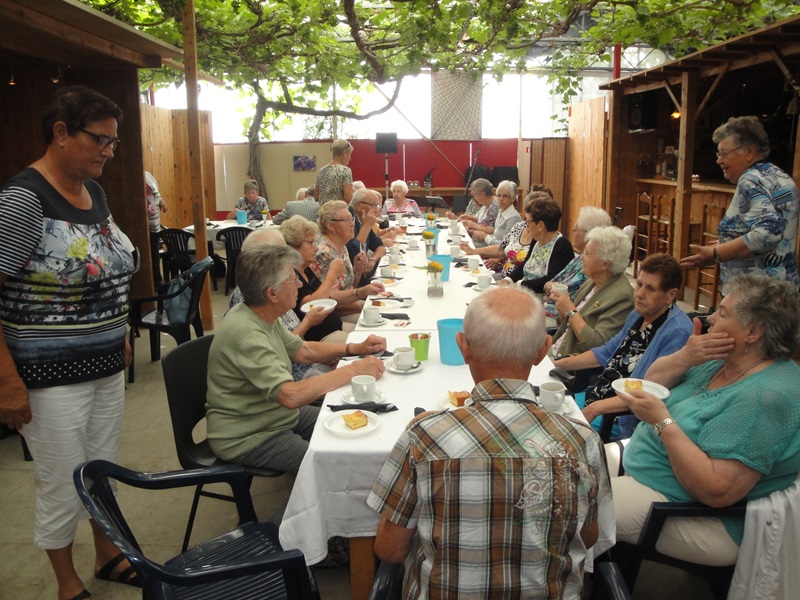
<point x="272" y="237"/>
<point x="505" y="327"/>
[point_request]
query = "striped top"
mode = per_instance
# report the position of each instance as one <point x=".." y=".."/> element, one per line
<point x="64" y="303"/>
<point x="498" y="492"/>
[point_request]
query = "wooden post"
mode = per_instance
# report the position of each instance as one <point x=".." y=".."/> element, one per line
<point x="683" y="191"/>
<point x="195" y="159"/>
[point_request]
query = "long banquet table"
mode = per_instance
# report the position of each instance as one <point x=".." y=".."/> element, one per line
<point x="329" y="495"/>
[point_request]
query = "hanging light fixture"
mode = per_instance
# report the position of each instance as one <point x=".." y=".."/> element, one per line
<point x="11" y="79"/>
<point x="57" y="76"/>
<point x="676" y="115"/>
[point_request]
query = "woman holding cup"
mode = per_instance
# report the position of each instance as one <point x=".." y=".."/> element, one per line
<point x="572" y="276"/>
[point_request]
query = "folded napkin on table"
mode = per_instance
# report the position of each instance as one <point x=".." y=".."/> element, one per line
<point x="403" y="316"/>
<point x="375" y="407"/>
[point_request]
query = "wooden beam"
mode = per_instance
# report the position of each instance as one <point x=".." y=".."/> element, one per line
<point x="683" y="191"/>
<point x="195" y="159"/>
<point x="786" y="73"/>
<point x="82" y="39"/>
<point x="675" y="101"/>
<point x="710" y="91"/>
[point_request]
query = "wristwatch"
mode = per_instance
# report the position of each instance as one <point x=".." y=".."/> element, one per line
<point x="716" y="256"/>
<point x="571" y="314"/>
<point x="661" y="425"/>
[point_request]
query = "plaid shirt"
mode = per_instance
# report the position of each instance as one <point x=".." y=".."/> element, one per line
<point x="498" y="492"/>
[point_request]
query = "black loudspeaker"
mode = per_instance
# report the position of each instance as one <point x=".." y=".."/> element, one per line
<point x="386" y="143"/>
<point x="643" y="111"/>
<point x="504" y="174"/>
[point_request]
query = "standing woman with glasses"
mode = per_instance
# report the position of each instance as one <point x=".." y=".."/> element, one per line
<point x="758" y="233"/>
<point x="64" y="282"/>
<point x="336" y="226"/>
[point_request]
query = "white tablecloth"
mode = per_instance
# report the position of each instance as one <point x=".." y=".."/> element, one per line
<point x="329" y="495"/>
<point x="214" y="227"/>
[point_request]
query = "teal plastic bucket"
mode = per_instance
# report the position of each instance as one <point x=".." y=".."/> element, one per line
<point x="448" y="349"/>
<point x="444" y="260"/>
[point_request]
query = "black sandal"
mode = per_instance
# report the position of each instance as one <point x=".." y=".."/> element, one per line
<point x="127" y="576"/>
<point x="82" y="596"/>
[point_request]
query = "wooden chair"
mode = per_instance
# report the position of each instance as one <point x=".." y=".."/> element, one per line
<point x="708" y="277"/>
<point x="664" y="224"/>
<point x="646" y="219"/>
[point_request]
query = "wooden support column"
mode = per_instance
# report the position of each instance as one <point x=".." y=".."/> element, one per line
<point x="683" y="191"/>
<point x="614" y="144"/>
<point x="195" y="158"/>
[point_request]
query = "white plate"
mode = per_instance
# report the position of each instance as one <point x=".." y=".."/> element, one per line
<point x="387" y="281"/>
<point x="381" y="296"/>
<point x="326" y="303"/>
<point x="480" y="272"/>
<point x="335" y="424"/>
<point x="658" y="390"/>
<point x="380" y="322"/>
<point x="396" y="269"/>
<point x="384" y="303"/>
<point x="390" y="366"/>
<point x="447" y="405"/>
<point x="349" y="399"/>
<point x="475" y="288"/>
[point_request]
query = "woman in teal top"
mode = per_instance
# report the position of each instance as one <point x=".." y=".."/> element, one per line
<point x="730" y="429"/>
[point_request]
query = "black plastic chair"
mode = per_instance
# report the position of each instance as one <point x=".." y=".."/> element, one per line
<point x="180" y="253"/>
<point x="608" y="583"/>
<point x="185" y="370"/>
<point x="157" y="321"/>
<point x="233" y="237"/>
<point x="629" y="557"/>
<point x="247" y="562"/>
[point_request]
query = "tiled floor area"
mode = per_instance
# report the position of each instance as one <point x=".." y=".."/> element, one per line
<point x="158" y="518"/>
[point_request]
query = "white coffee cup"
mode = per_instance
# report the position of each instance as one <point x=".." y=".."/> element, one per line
<point x="484" y="281"/>
<point x="372" y="314"/>
<point x="455" y="239"/>
<point x="403" y="222"/>
<point x="473" y="262"/>
<point x="455" y="251"/>
<point x="387" y="272"/>
<point x="412" y="243"/>
<point x="559" y="288"/>
<point x="394" y="259"/>
<point x="363" y="387"/>
<point x="404" y="358"/>
<point x="551" y="395"/>
<point x="454" y="225"/>
<point x="394" y="250"/>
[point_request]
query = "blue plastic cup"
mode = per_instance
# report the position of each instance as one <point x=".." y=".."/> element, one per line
<point x="444" y="260"/>
<point x="448" y="349"/>
<point x="241" y="217"/>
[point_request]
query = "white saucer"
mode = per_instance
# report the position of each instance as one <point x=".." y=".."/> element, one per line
<point x="481" y="271"/>
<point x="475" y="288"/>
<point x="336" y="425"/>
<point x="445" y="403"/>
<point x="325" y="303"/>
<point x="380" y="322"/>
<point x="348" y="398"/>
<point x="407" y="303"/>
<point x="384" y="302"/>
<point x="658" y="390"/>
<point x="390" y="366"/>
<point x="388" y="281"/>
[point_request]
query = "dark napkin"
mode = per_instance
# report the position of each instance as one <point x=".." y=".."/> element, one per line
<point x="384" y="354"/>
<point x="375" y="407"/>
<point x="402" y="316"/>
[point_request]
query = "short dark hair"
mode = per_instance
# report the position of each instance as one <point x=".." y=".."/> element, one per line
<point x="667" y="267"/>
<point x="545" y="210"/>
<point x="77" y="106"/>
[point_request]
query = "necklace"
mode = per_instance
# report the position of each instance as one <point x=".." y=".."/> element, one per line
<point x="739" y="376"/>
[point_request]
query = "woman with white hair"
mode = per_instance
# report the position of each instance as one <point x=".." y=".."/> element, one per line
<point x="335" y="180"/>
<point x="506" y="218"/>
<point x="572" y="275"/>
<point x="399" y="204"/>
<point x="602" y="302"/>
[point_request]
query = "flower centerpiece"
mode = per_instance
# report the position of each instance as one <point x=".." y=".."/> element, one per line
<point x="264" y="215"/>
<point x="430" y="219"/>
<point x="435" y="287"/>
<point x="429" y="237"/>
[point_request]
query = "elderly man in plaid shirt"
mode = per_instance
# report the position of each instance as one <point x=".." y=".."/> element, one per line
<point x="499" y="498"/>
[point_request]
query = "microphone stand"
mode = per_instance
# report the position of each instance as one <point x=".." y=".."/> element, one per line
<point x="471" y="172"/>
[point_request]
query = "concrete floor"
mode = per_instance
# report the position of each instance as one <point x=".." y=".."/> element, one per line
<point x="158" y="518"/>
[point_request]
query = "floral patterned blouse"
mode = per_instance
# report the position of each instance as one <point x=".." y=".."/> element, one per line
<point x="326" y="254"/>
<point x="254" y="211"/>
<point x="514" y="249"/>
<point x="331" y="180"/>
<point x="409" y="207"/>
<point x="538" y="263"/>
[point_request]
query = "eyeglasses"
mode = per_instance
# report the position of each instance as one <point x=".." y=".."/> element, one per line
<point x="505" y="196"/>
<point x="724" y="153"/>
<point x="585" y="254"/>
<point x="103" y="141"/>
<point x="578" y="230"/>
<point x="294" y="280"/>
<point x="348" y="220"/>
